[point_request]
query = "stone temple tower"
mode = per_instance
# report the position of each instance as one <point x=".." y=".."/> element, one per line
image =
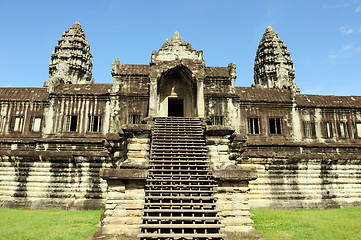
<point x="71" y="60"/>
<point x="273" y="67"/>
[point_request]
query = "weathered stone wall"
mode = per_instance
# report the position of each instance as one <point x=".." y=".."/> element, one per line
<point x="232" y="202"/>
<point x="308" y="178"/>
<point x="124" y="202"/>
<point x="123" y="208"/>
<point x="62" y="181"/>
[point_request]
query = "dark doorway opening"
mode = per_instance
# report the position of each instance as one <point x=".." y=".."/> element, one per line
<point x="175" y="107"/>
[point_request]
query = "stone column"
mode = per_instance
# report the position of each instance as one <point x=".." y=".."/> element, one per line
<point x="153" y="97"/>
<point x="200" y="98"/>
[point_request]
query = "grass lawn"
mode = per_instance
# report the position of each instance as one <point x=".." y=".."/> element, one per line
<point x="47" y="224"/>
<point x="308" y="224"/>
<point x="273" y="224"/>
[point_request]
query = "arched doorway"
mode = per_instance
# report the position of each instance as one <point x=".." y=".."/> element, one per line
<point x="177" y="93"/>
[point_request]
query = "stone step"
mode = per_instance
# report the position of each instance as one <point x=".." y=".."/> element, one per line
<point x="180" y="204"/>
<point x="202" y="211"/>
<point x="182" y="198"/>
<point x="187" y="158"/>
<point x="170" y="163"/>
<point x="173" y="186"/>
<point x="198" y="236"/>
<point x="179" y="176"/>
<point x="208" y="226"/>
<point x="182" y="180"/>
<point x="179" y="201"/>
<point x="183" y="218"/>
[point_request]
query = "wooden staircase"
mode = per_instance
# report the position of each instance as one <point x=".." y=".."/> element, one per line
<point x="179" y="201"/>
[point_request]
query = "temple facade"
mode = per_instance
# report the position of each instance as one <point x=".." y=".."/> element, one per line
<point x="76" y="144"/>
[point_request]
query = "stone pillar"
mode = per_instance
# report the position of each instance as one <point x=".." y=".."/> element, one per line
<point x="153" y="97"/>
<point x="200" y="98"/>
<point x="124" y="202"/>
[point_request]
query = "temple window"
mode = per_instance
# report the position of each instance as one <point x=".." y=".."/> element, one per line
<point x="217" y="120"/>
<point x="309" y="129"/>
<point x="253" y="125"/>
<point x="342" y="130"/>
<point x="326" y="129"/>
<point x="357" y="130"/>
<point x="35" y="124"/>
<point x="71" y="123"/>
<point x="94" y="123"/>
<point x="134" y="118"/>
<point x="275" y="125"/>
<point x="16" y="124"/>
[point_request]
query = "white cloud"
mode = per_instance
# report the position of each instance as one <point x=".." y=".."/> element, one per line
<point x="331" y="57"/>
<point x="358" y="9"/>
<point x="326" y="6"/>
<point x="347" y="47"/>
<point x="346" y="29"/>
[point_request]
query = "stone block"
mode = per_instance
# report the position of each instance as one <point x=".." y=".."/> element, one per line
<point x="212" y="148"/>
<point x="237" y="221"/>
<point x="222" y="148"/>
<point x="234" y="206"/>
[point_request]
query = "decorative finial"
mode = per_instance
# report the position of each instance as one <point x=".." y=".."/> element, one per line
<point x="269" y="29"/>
<point x="176" y="34"/>
<point x="117" y="59"/>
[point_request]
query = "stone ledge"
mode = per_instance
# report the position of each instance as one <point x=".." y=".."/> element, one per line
<point x="136" y="174"/>
<point x="219" y="130"/>
<point x="235" y="175"/>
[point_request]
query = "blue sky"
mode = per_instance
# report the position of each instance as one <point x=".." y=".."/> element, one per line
<point x="324" y="37"/>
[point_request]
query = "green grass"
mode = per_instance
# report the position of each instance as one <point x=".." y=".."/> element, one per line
<point x="308" y="224"/>
<point x="47" y="224"/>
<point x="272" y="224"/>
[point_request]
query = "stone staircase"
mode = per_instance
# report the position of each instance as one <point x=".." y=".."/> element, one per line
<point x="179" y="202"/>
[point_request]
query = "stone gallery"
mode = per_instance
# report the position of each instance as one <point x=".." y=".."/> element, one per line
<point x="172" y="149"/>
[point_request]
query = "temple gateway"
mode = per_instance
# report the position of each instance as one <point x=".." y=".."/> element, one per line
<point x="172" y="149"/>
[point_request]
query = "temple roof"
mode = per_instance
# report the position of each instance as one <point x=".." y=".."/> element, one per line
<point x="256" y="94"/>
<point x="31" y="94"/>
<point x="84" y="89"/>
<point x="218" y="71"/>
<point x="268" y="95"/>
<point x="328" y="101"/>
<point x="133" y="69"/>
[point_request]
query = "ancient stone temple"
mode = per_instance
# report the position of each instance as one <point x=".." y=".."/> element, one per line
<point x="173" y="149"/>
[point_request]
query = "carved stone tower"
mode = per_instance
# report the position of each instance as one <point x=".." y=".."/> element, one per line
<point x="273" y="67"/>
<point x="71" y="61"/>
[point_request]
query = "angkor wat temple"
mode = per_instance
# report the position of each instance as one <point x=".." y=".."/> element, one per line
<point x="173" y="149"/>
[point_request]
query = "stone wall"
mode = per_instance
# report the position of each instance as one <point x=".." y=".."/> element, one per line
<point x="306" y="180"/>
<point x="124" y="202"/>
<point x="232" y="200"/>
<point x="36" y="178"/>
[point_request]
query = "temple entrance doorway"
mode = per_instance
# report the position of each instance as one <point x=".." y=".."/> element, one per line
<point x="175" y="107"/>
<point x="177" y="93"/>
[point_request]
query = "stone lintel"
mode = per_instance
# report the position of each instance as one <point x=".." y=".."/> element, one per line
<point x="219" y="130"/>
<point x="136" y="174"/>
<point x="235" y="175"/>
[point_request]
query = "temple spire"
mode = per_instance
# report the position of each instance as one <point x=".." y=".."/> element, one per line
<point x="71" y="60"/>
<point x="273" y="67"/>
